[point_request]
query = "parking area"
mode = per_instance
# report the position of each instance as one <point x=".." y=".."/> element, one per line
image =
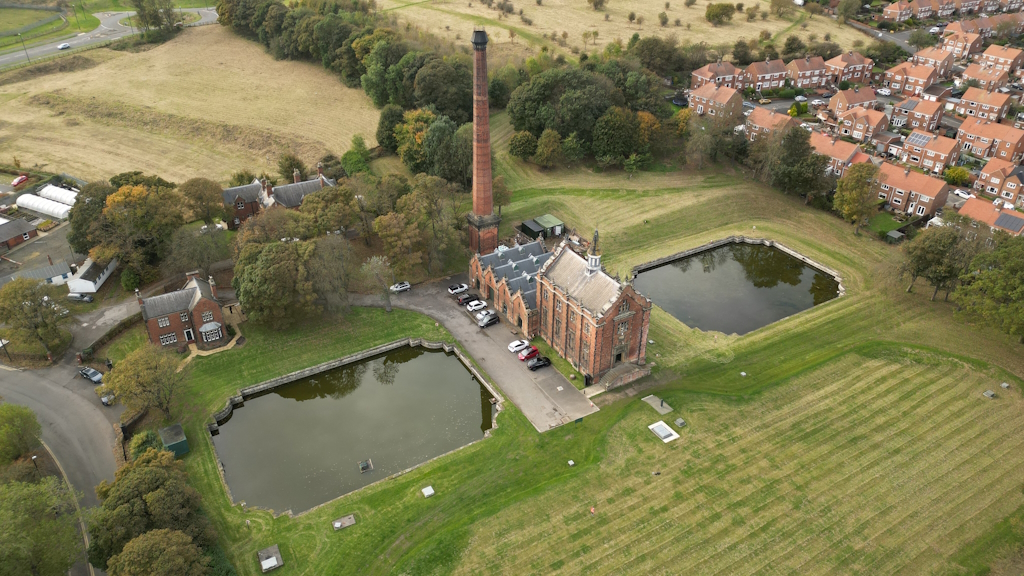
<point x="545" y="397"/>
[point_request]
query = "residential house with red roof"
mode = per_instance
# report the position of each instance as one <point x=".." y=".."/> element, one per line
<point x="909" y="78"/>
<point x="962" y="44"/>
<point x="988" y="78"/>
<point x="841" y="154"/>
<point x="930" y="152"/>
<point x="965" y="7"/>
<point x="852" y="98"/>
<point x="983" y="104"/>
<point x="995" y="216"/>
<point x="987" y="139"/>
<point x="849" y="67"/>
<point x="921" y="9"/>
<point x="764" y="121"/>
<point x="808" y="72"/>
<point x="943" y="8"/>
<point x="1011" y="5"/>
<point x="898" y="12"/>
<point x="995" y="179"/>
<point x="917" y="113"/>
<point x="910" y="191"/>
<point x="862" y="124"/>
<point x="714" y="100"/>
<point x="936" y="57"/>
<point x="767" y="75"/>
<point x="1005" y="58"/>
<point x="720" y="72"/>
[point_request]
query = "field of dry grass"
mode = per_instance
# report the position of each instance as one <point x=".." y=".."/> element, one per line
<point x="207" y="103"/>
<point x="454" y="19"/>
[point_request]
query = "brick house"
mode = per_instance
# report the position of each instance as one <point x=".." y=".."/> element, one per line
<point x="589" y="318"/>
<point x="1005" y="58"/>
<point x="767" y="75"/>
<point x="508" y="279"/>
<point x="852" y="98"/>
<point x="917" y="113"/>
<point x="897" y="12"/>
<point x="987" y="139"/>
<point x="943" y="8"/>
<point x="1011" y="5"/>
<point x="723" y="73"/>
<point x="841" y="154"/>
<point x="849" y="67"/>
<point x="930" y="152"/>
<point x="242" y="202"/>
<point x="910" y="191"/>
<point x="178" y="317"/>
<point x="763" y="121"/>
<point x="990" y="6"/>
<point x="995" y="216"/>
<point x="862" y="124"/>
<point x="988" y="78"/>
<point x="962" y="44"/>
<point x="983" y="104"/>
<point x="965" y="7"/>
<point x="808" y="72"/>
<point x="1002" y="179"/>
<point x="14" y="232"/>
<point x="921" y="9"/>
<point x="716" y="101"/>
<point x="909" y="78"/>
<point x="936" y="57"/>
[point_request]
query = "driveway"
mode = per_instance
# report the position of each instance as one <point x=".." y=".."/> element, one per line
<point x="32" y="254"/>
<point x="109" y="29"/>
<point x="86" y="328"/>
<point x="546" y="398"/>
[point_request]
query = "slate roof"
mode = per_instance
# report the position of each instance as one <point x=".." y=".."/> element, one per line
<point x="291" y="195"/>
<point x="14" y="228"/>
<point x="595" y="292"/>
<point x="177" y="301"/>
<point x="247" y="192"/>
<point x="58" y="269"/>
<point x="495" y="259"/>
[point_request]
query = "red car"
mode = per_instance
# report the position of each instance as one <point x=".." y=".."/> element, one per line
<point x="19" y="181"/>
<point x="528" y="353"/>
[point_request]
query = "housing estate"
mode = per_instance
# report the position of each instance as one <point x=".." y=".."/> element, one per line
<point x="841" y="154"/>
<point x="1005" y="58"/>
<point x="995" y="216"/>
<point x="988" y="78"/>
<point x="936" y="57"/>
<point x="983" y="104"/>
<point x="808" y="72"/>
<point x="716" y="100"/>
<point x="930" y="152"/>
<point x="1003" y="179"/>
<point x="962" y="44"/>
<point x="898" y="12"/>
<point x="723" y="73"/>
<point x="762" y="121"/>
<point x="910" y="191"/>
<point x="191" y="314"/>
<point x="987" y="139"/>
<point x="852" y="98"/>
<point x="909" y="78"/>
<point x="767" y="75"/>
<point x="849" y="67"/>
<point x="917" y="113"/>
<point x="862" y="124"/>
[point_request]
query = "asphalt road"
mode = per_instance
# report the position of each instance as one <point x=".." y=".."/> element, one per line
<point x="109" y="29"/>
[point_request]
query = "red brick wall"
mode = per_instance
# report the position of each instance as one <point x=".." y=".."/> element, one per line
<point x="178" y="327"/>
<point x="249" y="209"/>
<point x="11" y="243"/>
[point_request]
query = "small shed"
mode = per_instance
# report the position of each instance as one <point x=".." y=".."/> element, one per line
<point x="552" y="226"/>
<point x="531" y="229"/>
<point x="91" y="276"/>
<point x="894" y="237"/>
<point x="270" y="558"/>
<point x="174" y="440"/>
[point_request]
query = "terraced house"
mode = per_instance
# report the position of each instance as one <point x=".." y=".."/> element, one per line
<point x="917" y="113"/>
<point x="962" y="44"/>
<point x="808" y="72"/>
<point x="930" y="152"/>
<point x="862" y="124"/>
<point x="716" y="100"/>
<point x="909" y="78"/>
<point x="242" y="202"/>
<point x="841" y="154"/>
<point x="767" y="75"/>
<point x="721" y="73"/>
<point x="852" y="98"/>
<point x="983" y="104"/>
<point x="898" y="12"/>
<point x="965" y="7"/>
<point x="762" y="122"/>
<point x="943" y="8"/>
<point x="987" y="139"/>
<point x="936" y="57"/>
<point x="508" y="279"/>
<point x="1005" y="58"/>
<point x="910" y="191"/>
<point x="849" y="67"/>
<point x="921" y="9"/>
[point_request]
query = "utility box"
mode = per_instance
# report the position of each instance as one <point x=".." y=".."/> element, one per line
<point x="174" y="440"/>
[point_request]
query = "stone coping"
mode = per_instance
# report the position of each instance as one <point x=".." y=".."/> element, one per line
<point x="258" y="389"/>
<point x="741" y="240"/>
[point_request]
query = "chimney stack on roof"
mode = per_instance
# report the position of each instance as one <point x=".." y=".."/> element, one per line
<point x="213" y="287"/>
<point x="296" y="175"/>
<point x="50" y="260"/>
<point x="265" y="184"/>
<point x="138" y="296"/>
<point x="320" y="169"/>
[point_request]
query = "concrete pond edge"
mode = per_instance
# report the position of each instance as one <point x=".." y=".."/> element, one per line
<point x="257" y="389"/>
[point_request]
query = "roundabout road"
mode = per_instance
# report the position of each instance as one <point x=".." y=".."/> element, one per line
<point x="109" y="29"/>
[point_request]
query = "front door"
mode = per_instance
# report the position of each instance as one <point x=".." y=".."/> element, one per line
<point x="189" y="335"/>
<point x="618" y="358"/>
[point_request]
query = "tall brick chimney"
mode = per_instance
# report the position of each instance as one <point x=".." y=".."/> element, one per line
<point x="483" y="223"/>
<point x="296" y="175"/>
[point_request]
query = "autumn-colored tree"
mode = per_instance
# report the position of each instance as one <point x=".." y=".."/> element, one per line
<point x="410" y="135"/>
<point x="402" y="240"/>
<point x="647" y="131"/>
<point x="136" y="225"/>
<point x="204" y="198"/>
<point x="160" y="552"/>
<point x="500" y="194"/>
<point x="147" y="378"/>
<point x="856" y="199"/>
<point x="377" y="271"/>
<point x="330" y="209"/>
<point x="681" y="119"/>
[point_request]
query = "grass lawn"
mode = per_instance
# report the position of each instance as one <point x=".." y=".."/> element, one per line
<point x="124" y="344"/>
<point x="558" y="363"/>
<point x="11" y="18"/>
<point x="858" y="443"/>
<point x="883" y="222"/>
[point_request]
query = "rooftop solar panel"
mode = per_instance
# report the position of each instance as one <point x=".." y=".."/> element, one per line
<point x="1010" y="222"/>
<point x="918" y="139"/>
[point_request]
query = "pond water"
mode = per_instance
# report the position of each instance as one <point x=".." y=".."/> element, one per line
<point x="300" y="444"/>
<point x="736" y="288"/>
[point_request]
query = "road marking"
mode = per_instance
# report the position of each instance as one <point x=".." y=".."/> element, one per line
<point x="81" y="523"/>
<point x="10" y="368"/>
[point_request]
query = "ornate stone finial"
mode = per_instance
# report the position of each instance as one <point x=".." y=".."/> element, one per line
<point x="593" y="257"/>
<point x="593" y="245"/>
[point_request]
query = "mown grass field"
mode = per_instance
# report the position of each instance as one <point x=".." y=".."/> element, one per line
<point x="858" y="442"/>
<point x="11" y="18"/>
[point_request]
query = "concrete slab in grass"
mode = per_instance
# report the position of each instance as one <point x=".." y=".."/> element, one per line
<point x="657" y="403"/>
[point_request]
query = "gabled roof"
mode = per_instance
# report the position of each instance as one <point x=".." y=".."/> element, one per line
<point x="14" y="228"/>
<point x="247" y="192"/>
<point x="999" y="167"/>
<point x="980" y="72"/>
<point x="766" y="118"/>
<point x="291" y="195"/>
<point x="714" y="93"/>
<point x="906" y="179"/>
<point x="177" y="301"/>
<point x="933" y="142"/>
<point x="596" y="292"/>
<point x="911" y="70"/>
<point x="967" y="38"/>
<point x="897" y="6"/>
<point x="716" y="69"/>
<point x="920" y="106"/>
<point x="496" y="258"/>
<point x="850" y="58"/>
<point x="766" y="67"/>
<point x="1006" y="52"/>
<point x="833" y="147"/>
<point x="991" y="130"/>
<point x="807" y="63"/>
<point x="857" y="96"/>
<point x="934" y="53"/>
<point x="59" y="268"/>
<point x="870" y="115"/>
<point x="996" y="217"/>
<point x="980" y="96"/>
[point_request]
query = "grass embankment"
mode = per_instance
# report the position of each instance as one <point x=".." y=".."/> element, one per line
<point x="858" y="441"/>
<point x="11" y="18"/>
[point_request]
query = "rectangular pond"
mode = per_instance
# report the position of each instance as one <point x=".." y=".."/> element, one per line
<point x="736" y="288"/>
<point x="300" y="444"/>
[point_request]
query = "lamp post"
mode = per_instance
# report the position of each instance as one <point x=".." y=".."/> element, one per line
<point x="3" y="344"/>
<point x="36" y="465"/>
<point x="77" y="21"/>
<point x="23" y="47"/>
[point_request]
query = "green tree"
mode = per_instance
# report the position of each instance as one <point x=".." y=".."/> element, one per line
<point x="204" y="198"/>
<point x="287" y="164"/>
<point x="377" y="271"/>
<point x="331" y="272"/>
<point x="498" y="93"/>
<point x="449" y="152"/>
<point x="147" y="378"/>
<point x="272" y="282"/>
<point x="932" y="255"/>
<point x="390" y="117"/>
<point x="357" y="158"/>
<point x="993" y="290"/>
<point x="85" y="215"/>
<point x="847" y="10"/>
<point x="781" y="7"/>
<point x="573" y="149"/>
<point x="19" y="432"/>
<point x="160" y="552"/>
<point x="921" y="39"/>
<point x="411" y="135"/>
<point x="741" y="54"/>
<point x="402" y="240"/>
<point x="136" y="225"/>
<point x="566" y="99"/>
<point x="385" y="54"/>
<point x="31" y="314"/>
<point x="615" y="135"/>
<point x="522" y="145"/>
<point x="549" y="150"/>
<point x="500" y="194"/>
<point x="240" y="178"/>
<point x="751" y="12"/>
<point x="718" y="14"/>
<point x="447" y="86"/>
<point x="331" y="166"/>
<point x="195" y="250"/>
<point x="663" y="19"/>
<point x="329" y="210"/>
<point x="143" y="441"/>
<point x="793" y="48"/>
<point x="39" y="528"/>
<point x="856" y="197"/>
<point x="957" y="176"/>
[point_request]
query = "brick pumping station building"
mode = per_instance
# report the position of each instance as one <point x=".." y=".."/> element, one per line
<point x="591" y="319"/>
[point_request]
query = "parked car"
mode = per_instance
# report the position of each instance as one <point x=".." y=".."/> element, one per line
<point x="963" y="193"/>
<point x="457" y="289"/>
<point x="107" y="399"/>
<point x="883" y="92"/>
<point x="400" y="287"/>
<point x="488" y="321"/>
<point x="538" y="363"/>
<point x="527" y="353"/>
<point x="518" y="345"/>
<point x="827" y="95"/>
<point x="747" y="112"/>
<point x="476" y="305"/>
<point x="764" y="101"/>
<point x="818" y="103"/>
<point x="934" y="30"/>
<point x="484" y="314"/>
<point x="466" y="299"/>
<point x="749" y="105"/>
<point x="19" y="181"/>
<point x="91" y="374"/>
<point x="79" y="297"/>
<point x="64" y="46"/>
<point x="807" y="126"/>
<point x="801" y="98"/>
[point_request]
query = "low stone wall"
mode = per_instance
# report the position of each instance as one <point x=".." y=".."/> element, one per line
<point x="741" y="240"/>
<point x="257" y="389"/>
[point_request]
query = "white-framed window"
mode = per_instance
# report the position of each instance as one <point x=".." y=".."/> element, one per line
<point x="207" y="316"/>
<point x="163" y="322"/>
<point x="166" y="339"/>
<point x="25" y="236"/>
<point x="920" y="210"/>
<point x="240" y="206"/>
<point x="1011" y="185"/>
<point x="897" y="201"/>
<point x="211" y="336"/>
<point x="899" y="192"/>
<point x="184" y="316"/>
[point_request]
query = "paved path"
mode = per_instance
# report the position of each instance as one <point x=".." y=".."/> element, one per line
<point x="109" y="29"/>
<point x="537" y="393"/>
